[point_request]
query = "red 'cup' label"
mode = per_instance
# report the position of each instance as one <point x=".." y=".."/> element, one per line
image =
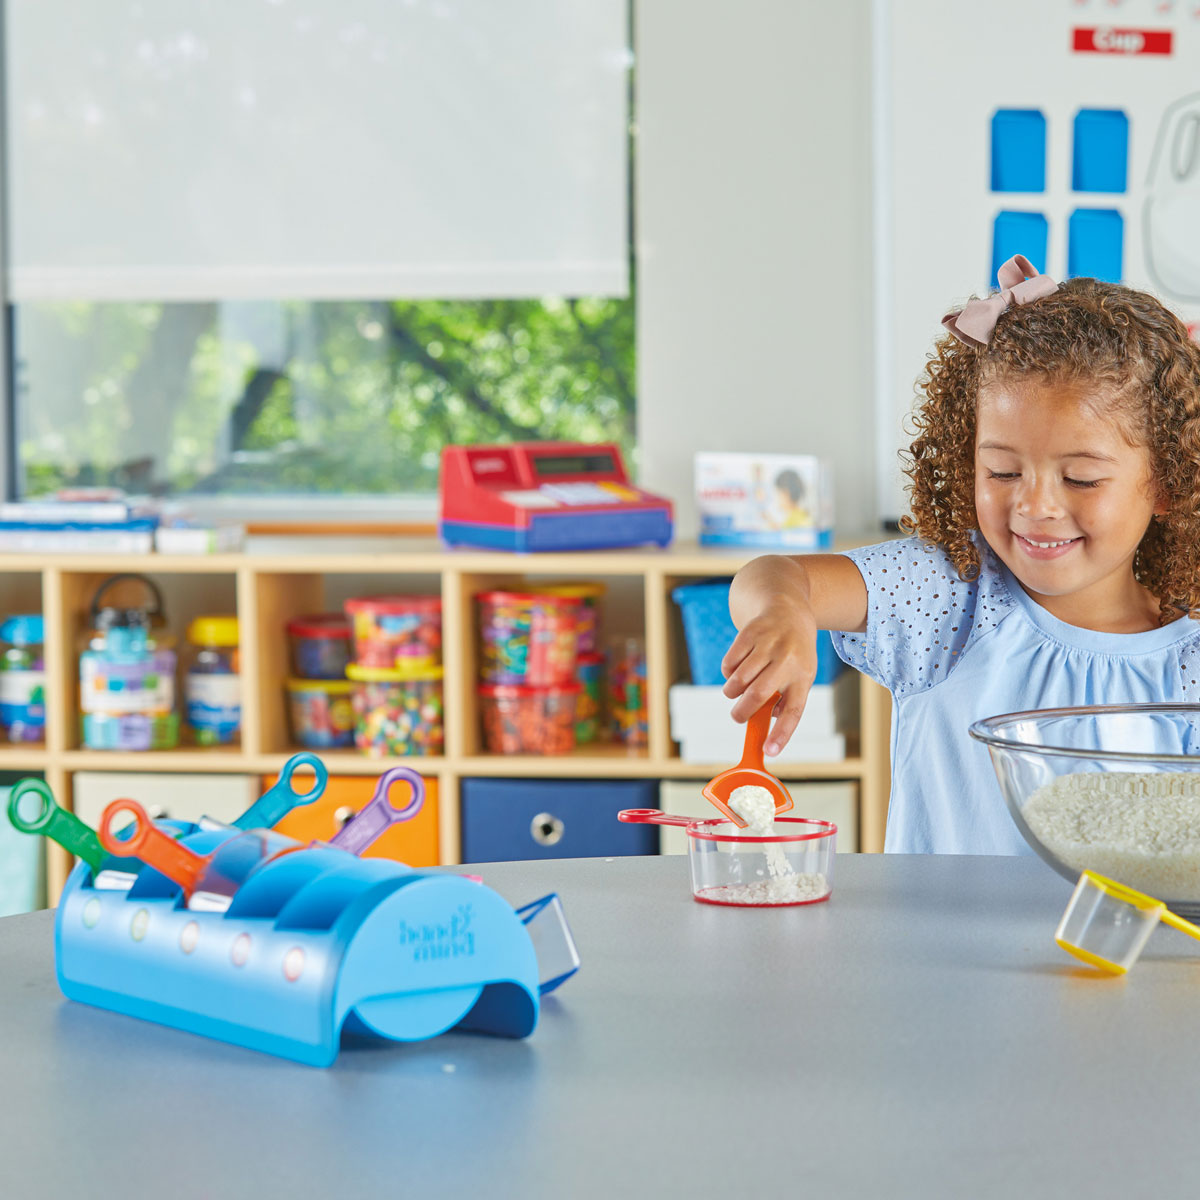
<point x="1106" y="39"/>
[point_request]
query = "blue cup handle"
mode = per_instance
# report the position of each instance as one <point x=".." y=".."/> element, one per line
<point x="279" y="800"/>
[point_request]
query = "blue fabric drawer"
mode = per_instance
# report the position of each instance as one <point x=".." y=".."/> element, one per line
<point x="508" y="819"/>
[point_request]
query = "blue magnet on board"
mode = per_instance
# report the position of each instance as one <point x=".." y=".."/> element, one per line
<point x="1018" y="233"/>
<point x="1018" y="150"/>
<point x="1100" y="153"/>
<point x="1095" y="241"/>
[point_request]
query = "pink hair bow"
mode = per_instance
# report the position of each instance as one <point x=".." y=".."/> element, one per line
<point x="1020" y="283"/>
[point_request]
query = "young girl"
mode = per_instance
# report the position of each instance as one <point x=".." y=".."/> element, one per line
<point x="1055" y="496"/>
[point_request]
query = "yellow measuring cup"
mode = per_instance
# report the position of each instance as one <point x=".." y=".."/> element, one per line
<point x="1107" y="924"/>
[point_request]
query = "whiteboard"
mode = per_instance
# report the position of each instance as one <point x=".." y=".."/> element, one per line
<point x="944" y="69"/>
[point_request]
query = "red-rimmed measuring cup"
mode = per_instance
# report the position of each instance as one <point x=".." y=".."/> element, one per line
<point x="792" y="866"/>
<point x="209" y="881"/>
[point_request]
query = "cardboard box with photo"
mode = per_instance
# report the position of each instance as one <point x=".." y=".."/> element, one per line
<point x="783" y="500"/>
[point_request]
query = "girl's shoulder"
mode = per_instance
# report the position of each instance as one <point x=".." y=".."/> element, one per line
<point x="912" y="569"/>
<point x="921" y="615"/>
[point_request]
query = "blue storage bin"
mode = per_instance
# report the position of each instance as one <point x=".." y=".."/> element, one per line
<point x="1018" y="150"/>
<point x="512" y="819"/>
<point x="709" y="630"/>
<point x="20" y="866"/>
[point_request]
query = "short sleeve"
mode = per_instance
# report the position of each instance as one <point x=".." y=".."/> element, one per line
<point x="920" y="614"/>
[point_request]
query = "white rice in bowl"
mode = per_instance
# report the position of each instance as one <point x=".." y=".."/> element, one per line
<point x="1139" y="828"/>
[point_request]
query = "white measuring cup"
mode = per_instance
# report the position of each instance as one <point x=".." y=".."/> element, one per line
<point x="1107" y="924"/>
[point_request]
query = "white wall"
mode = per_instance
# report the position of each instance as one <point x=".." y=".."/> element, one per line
<point x="753" y="237"/>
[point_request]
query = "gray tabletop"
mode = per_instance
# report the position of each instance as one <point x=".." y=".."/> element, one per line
<point x="919" y="1035"/>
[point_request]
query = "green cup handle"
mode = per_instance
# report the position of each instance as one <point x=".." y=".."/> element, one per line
<point x="54" y="822"/>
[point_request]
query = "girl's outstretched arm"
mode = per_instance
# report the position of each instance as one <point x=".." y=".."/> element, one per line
<point x="778" y="603"/>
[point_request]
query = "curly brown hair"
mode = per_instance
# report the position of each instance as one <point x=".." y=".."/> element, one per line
<point x="1123" y="344"/>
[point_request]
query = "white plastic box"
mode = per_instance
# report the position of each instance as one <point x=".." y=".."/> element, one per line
<point x="701" y="724"/>
<point x="768" y="500"/>
<point x="184" y="797"/>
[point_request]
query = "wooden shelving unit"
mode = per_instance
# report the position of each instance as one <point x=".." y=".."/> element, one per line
<point x="267" y="587"/>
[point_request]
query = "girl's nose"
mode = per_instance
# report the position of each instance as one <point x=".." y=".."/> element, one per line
<point x="1038" y="498"/>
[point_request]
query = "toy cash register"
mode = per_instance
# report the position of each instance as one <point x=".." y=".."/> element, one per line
<point x="546" y="496"/>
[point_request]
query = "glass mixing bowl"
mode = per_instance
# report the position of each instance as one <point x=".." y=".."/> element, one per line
<point x="1108" y="788"/>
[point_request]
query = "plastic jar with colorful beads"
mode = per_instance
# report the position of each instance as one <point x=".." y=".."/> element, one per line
<point x="590" y="596"/>
<point x="213" y="683"/>
<point x="321" y="712"/>
<point x="528" y="639"/>
<point x="397" y="710"/>
<point x="392" y="631"/>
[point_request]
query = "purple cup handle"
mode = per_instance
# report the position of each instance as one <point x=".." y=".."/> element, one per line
<point x="378" y="814"/>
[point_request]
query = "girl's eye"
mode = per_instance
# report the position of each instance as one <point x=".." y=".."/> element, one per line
<point x="1081" y="483"/>
<point x="1004" y="474"/>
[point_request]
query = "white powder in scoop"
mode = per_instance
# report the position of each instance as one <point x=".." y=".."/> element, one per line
<point x="756" y="806"/>
<point x="1140" y="828"/>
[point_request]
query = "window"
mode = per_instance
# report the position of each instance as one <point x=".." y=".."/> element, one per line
<point x="320" y="239"/>
<point x="270" y="398"/>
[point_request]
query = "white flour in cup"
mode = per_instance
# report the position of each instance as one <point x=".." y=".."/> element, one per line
<point x="756" y="806"/>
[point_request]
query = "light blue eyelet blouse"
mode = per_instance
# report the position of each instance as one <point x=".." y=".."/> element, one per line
<point x="952" y="652"/>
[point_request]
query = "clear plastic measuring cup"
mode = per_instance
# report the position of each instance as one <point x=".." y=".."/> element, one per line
<point x="792" y="866"/>
<point x="1107" y="924"/>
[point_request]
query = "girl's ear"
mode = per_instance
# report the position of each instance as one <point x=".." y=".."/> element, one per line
<point x="1162" y="502"/>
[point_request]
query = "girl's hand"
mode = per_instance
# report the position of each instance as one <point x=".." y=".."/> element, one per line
<point x="774" y="652"/>
<point x="778" y="604"/>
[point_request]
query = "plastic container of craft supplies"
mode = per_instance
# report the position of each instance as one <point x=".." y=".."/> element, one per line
<point x="528" y="720"/>
<point x="127" y="673"/>
<point x="213" y="684"/>
<point x="528" y="639"/>
<point x="390" y="631"/>
<point x="321" y="712"/>
<point x="397" y="711"/>
<point x="22" y="679"/>
<point x="319" y="646"/>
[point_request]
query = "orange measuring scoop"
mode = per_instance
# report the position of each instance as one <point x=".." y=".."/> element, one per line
<point x="751" y="771"/>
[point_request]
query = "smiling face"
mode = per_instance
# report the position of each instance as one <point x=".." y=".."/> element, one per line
<point x="1064" y="498"/>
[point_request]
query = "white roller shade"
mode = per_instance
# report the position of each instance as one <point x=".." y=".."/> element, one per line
<point x="323" y="149"/>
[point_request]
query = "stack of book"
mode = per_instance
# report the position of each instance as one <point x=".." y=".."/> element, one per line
<point x="77" y="522"/>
